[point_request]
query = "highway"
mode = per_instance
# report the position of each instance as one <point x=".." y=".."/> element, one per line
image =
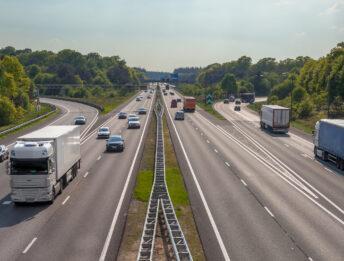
<point x="257" y="196"/>
<point x="86" y="220"/>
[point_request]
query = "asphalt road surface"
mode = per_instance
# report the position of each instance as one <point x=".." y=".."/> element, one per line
<point x="86" y="220"/>
<point x="260" y="196"/>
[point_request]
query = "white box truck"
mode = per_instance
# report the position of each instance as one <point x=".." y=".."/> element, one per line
<point x="275" y="118"/>
<point x="43" y="162"/>
<point x="329" y="141"/>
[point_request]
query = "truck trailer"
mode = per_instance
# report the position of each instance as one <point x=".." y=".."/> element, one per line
<point x="189" y="104"/>
<point x="43" y="162"/>
<point x="275" y="118"/>
<point x="329" y="141"/>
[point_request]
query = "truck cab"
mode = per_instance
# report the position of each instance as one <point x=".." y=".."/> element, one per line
<point x="32" y="170"/>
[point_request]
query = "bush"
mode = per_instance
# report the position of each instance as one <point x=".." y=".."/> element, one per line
<point x="299" y="94"/>
<point x="305" y="109"/>
<point x="7" y="111"/>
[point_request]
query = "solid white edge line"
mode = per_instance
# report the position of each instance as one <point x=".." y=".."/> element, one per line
<point x="210" y="216"/>
<point x="243" y="182"/>
<point x="66" y="199"/>
<point x="329" y="170"/>
<point x="29" y="245"/>
<point x="268" y="210"/>
<point x="124" y="191"/>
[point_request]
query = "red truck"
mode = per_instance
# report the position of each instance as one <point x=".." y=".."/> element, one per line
<point x="189" y="104"/>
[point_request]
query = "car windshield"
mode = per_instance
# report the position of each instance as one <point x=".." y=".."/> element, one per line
<point x="29" y="166"/>
<point x="115" y="138"/>
<point x="104" y="129"/>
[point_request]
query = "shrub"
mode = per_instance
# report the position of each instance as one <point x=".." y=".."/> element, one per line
<point x="7" y="111"/>
<point x="305" y="109"/>
<point x="299" y="94"/>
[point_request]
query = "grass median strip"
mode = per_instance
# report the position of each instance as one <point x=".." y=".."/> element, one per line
<point x="210" y="109"/>
<point x="139" y="202"/>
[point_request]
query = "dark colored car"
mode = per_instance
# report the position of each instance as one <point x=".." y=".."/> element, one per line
<point x="122" y="115"/>
<point x="179" y="100"/>
<point x="4" y="154"/>
<point x="142" y="111"/>
<point x="237" y="102"/>
<point x="115" y="143"/>
<point x="80" y="120"/>
<point x="226" y="101"/>
<point x="174" y="103"/>
<point x="172" y="93"/>
<point x="237" y="108"/>
<point x="179" y="115"/>
<point x="165" y="93"/>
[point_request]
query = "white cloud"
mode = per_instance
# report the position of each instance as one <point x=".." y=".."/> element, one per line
<point x="335" y="8"/>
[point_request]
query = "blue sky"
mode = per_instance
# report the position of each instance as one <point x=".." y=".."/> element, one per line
<point x="162" y="35"/>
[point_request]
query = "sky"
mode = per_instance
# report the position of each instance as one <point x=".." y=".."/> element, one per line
<point x="165" y="34"/>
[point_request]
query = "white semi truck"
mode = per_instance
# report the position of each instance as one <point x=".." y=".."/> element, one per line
<point x="275" y="118"/>
<point x="43" y="162"/>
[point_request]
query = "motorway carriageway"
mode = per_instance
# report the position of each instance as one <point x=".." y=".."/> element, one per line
<point x="86" y="220"/>
<point x="254" y="197"/>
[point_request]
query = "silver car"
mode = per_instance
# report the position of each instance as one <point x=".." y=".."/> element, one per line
<point x="104" y="133"/>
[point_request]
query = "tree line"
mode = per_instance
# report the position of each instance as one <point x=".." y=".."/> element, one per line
<point x="314" y="84"/>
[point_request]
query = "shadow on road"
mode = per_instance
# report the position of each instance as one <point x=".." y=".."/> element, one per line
<point x="12" y="214"/>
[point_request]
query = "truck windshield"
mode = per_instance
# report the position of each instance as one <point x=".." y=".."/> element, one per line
<point x="29" y="167"/>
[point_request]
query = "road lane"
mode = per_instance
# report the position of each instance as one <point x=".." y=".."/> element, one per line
<point x="84" y="218"/>
<point x="315" y="233"/>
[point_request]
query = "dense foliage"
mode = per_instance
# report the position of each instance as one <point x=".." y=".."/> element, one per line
<point x="16" y="90"/>
<point x="69" y="67"/>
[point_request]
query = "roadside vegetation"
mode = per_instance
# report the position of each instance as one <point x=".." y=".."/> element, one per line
<point x="315" y="86"/>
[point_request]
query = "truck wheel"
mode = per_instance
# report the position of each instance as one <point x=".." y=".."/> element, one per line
<point x="53" y="198"/>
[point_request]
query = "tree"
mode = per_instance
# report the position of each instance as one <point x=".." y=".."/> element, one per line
<point x="299" y="94"/>
<point x="229" y="85"/>
<point x="7" y="111"/>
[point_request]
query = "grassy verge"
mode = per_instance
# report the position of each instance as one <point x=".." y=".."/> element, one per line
<point x="110" y="103"/>
<point x="256" y="106"/>
<point x="45" y="109"/>
<point x="209" y="108"/>
<point x="139" y="202"/>
<point x="180" y="198"/>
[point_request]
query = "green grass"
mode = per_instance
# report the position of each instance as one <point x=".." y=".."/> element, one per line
<point x="45" y="109"/>
<point x="209" y="108"/>
<point x="145" y="176"/>
<point x="256" y="106"/>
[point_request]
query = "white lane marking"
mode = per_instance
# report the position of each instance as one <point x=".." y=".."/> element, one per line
<point x="307" y="156"/>
<point x="7" y="202"/>
<point x="208" y="141"/>
<point x="29" y="245"/>
<point x="124" y="191"/>
<point x="270" y="213"/>
<point x="284" y="178"/>
<point x="66" y="199"/>
<point x="310" y="259"/>
<point x="243" y="182"/>
<point x="216" y="151"/>
<point x="228" y="165"/>
<point x="201" y="133"/>
<point x="99" y="157"/>
<point x="285" y="144"/>
<point x="207" y="209"/>
<point x="86" y="174"/>
<point x="329" y="170"/>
